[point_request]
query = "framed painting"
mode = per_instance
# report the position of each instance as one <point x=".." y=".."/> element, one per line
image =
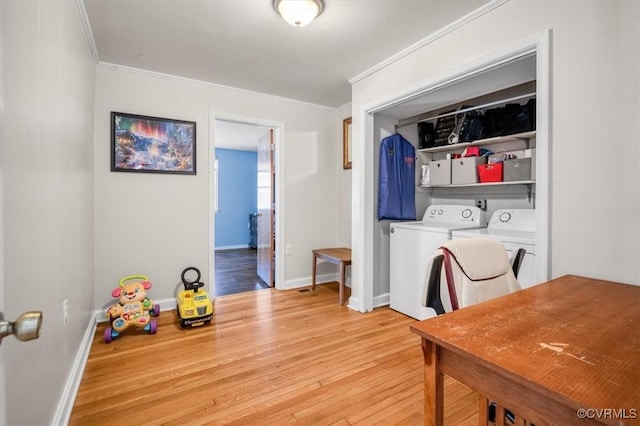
<point x="346" y="143"/>
<point x="152" y="145"/>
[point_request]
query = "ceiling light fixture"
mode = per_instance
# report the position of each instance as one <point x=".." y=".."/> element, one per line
<point x="298" y="12"/>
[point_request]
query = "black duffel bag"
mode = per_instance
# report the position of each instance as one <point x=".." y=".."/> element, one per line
<point x="510" y="119"/>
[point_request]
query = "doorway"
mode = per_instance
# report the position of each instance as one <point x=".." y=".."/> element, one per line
<point x="369" y="287"/>
<point x="250" y="262"/>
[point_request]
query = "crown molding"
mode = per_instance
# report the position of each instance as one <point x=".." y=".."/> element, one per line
<point x="87" y="30"/>
<point x="430" y="39"/>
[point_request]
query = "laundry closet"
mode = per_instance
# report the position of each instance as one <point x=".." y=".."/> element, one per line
<point x="495" y="173"/>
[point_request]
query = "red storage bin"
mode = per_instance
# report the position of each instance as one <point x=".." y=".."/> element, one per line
<point x="490" y="172"/>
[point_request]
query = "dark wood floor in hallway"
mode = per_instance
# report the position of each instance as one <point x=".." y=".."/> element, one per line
<point x="236" y="271"/>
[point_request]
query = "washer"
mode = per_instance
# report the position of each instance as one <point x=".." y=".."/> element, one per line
<point x="516" y="228"/>
<point x="413" y="243"/>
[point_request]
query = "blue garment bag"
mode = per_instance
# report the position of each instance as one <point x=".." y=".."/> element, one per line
<point x="397" y="180"/>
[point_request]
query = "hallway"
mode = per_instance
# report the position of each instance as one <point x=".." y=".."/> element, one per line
<point x="236" y="272"/>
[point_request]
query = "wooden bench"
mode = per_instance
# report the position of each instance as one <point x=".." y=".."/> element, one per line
<point x="339" y="256"/>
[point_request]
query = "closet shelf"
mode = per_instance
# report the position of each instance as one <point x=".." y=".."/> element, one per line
<point x="489" y="141"/>
<point x="471" y="108"/>
<point x="515" y="182"/>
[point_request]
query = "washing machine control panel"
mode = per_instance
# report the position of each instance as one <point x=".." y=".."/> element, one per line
<point x="505" y="217"/>
<point x="455" y="214"/>
<point x="514" y="219"/>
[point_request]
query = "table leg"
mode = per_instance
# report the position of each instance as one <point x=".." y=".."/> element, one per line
<point x="483" y="410"/>
<point x="499" y="415"/>
<point x="433" y="385"/>
<point x="342" y="268"/>
<point x="313" y="273"/>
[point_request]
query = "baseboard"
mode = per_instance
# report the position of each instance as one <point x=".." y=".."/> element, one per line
<point x="65" y="405"/>
<point x="320" y="279"/>
<point x="241" y="246"/>
<point x="381" y="300"/>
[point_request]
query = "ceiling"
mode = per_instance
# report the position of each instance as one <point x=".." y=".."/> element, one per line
<point x="245" y="44"/>
<point x="238" y="136"/>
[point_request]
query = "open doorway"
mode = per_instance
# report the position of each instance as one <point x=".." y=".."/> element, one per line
<point x="244" y="206"/>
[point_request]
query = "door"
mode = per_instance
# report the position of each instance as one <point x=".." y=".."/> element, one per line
<point x="266" y="184"/>
<point x="3" y="399"/>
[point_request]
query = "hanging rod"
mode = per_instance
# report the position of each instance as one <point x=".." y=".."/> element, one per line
<point x="473" y="108"/>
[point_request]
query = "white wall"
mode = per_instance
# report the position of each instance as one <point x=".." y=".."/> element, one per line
<point x="47" y="170"/>
<point x="156" y="224"/>
<point x="343" y="193"/>
<point x="595" y="228"/>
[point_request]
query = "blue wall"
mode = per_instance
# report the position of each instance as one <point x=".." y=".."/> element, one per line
<point x="237" y="199"/>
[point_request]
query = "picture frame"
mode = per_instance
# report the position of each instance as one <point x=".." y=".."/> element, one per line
<point x="141" y="143"/>
<point x="346" y="143"/>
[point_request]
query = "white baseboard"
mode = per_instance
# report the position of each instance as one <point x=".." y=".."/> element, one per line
<point x="320" y="279"/>
<point x="68" y="397"/>
<point x="381" y="300"/>
<point x="241" y="246"/>
<point x="65" y="405"/>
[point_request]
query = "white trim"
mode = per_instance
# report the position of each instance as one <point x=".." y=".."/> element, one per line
<point x="87" y="30"/>
<point x="381" y="300"/>
<point x="320" y="279"/>
<point x="65" y="404"/>
<point x="68" y="397"/>
<point x="240" y="246"/>
<point x="279" y="157"/>
<point x="171" y="77"/>
<point x="486" y="8"/>
<point x="518" y="50"/>
<point x="363" y="191"/>
<point x="306" y="282"/>
<point x="543" y="157"/>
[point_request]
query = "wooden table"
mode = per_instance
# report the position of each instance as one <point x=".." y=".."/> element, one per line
<point x="340" y="256"/>
<point x="551" y="354"/>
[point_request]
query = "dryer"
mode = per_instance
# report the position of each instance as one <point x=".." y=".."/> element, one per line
<point x="411" y="246"/>
<point x="516" y="228"/>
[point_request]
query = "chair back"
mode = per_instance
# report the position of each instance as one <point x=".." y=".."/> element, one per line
<point x="479" y="268"/>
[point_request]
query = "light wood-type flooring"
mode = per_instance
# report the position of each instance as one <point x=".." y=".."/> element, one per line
<point x="268" y="358"/>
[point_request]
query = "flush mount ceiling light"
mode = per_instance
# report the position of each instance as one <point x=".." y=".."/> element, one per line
<point x="298" y="12"/>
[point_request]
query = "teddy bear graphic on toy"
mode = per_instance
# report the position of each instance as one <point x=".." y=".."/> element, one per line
<point x="134" y="308"/>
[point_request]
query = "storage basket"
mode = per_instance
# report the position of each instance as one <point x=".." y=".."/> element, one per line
<point x="490" y="172"/>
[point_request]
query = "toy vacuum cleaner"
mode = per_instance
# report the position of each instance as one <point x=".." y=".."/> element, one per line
<point x="134" y="308"/>
<point x="194" y="306"/>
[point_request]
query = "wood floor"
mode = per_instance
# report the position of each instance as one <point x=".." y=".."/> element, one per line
<point x="268" y="358"/>
<point x="236" y="272"/>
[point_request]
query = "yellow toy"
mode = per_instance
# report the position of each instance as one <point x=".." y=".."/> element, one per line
<point x="134" y="308"/>
<point x="194" y="306"/>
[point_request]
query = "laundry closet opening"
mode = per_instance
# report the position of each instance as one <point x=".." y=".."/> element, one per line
<point x="512" y="80"/>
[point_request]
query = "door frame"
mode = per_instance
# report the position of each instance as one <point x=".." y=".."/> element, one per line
<point x="363" y="276"/>
<point x="278" y="156"/>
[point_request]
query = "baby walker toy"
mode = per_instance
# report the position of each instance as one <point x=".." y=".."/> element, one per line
<point x="194" y="306"/>
<point x="134" y="308"/>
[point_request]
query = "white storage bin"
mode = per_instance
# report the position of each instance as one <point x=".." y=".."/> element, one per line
<point x="440" y="172"/>
<point x="465" y="170"/>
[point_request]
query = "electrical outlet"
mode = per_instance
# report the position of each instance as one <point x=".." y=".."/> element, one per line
<point x="481" y="204"/>
<point x="288" y="250"/>
<point x="65" y="312"/>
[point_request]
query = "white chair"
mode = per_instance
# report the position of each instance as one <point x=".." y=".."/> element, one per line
<point x="480" y="270"/>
